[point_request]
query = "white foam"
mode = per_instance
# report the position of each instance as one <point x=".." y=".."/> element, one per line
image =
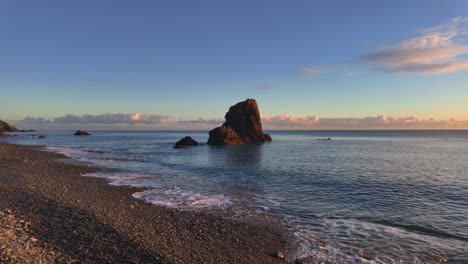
<point x="178" y="198"/>
<point x="345" y="240"/>
<point x="127" y="179"/>
<point x="159" y="195"/>
<point x="69" y="152"/>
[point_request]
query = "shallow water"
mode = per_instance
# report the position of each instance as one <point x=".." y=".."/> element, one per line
<point x="364" y="196"/>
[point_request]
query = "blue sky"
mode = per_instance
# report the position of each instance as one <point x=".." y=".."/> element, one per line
<point x="191" y="60"/>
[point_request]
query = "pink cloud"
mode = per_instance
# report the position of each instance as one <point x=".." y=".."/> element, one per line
<point x="289" y="120"/>
<point x="371" y="122"/>
<point x="281" y="122"/>
<point x="110" y="118"/>
<point x="437" y="50"/>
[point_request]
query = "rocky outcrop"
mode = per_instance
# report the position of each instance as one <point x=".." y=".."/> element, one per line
<point x="186" y="142"/>
<point x="81" y="133"/>
<point x="2" y="134"/>
<point x="242" y="126"/>
<point x="5" y="127"/>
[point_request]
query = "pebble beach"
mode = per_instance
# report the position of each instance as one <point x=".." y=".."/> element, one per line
<point x="51" y="213"/>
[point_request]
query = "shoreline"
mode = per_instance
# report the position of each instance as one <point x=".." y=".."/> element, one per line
<point x="51" y="213"/>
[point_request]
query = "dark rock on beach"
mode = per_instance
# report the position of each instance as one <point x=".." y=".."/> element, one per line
<point x="5" y="127"/>
<point x="186" y="142"/>
<point x="242" y="126"/>
<point x="81" y="133"/>
<point x="41" y="136"/>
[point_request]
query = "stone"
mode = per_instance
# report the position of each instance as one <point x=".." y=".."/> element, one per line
<point x="81" y="133"/>
<point x="41" y="136"/>
<point x="280" y="255"/>
<point x="242" y="126"/>
<point x="186" y="142"/>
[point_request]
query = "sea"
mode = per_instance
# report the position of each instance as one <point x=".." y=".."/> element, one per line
<point x="360" y="197"/>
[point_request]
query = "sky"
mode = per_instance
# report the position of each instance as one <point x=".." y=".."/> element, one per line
<point x="181" y="64"/>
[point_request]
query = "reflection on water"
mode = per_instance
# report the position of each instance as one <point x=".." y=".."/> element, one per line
<point x="236" y="155"/>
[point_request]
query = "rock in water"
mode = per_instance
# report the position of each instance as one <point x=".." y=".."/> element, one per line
<point x="242" y="126"/>
<point x="81" y="133"/>
<point x="2" y="134"/>
<point x="224" y="135"/>
<point x="5" y="127"/>
<point x="186" y="142"/>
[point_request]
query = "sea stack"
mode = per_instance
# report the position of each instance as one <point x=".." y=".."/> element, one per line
<point x="186" y="142"/>
<point x="242" y="126"/>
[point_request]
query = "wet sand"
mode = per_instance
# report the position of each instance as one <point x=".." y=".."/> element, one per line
<point x="50" y="213"/>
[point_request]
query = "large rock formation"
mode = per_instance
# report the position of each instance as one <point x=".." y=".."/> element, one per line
<point x="242" y="126"/>
<point x="186" y="142"/>
<point x="5" y="127"/>
<point x="2" y="134"/>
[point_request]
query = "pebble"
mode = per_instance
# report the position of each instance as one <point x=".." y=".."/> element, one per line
<point x="280" y="255"/>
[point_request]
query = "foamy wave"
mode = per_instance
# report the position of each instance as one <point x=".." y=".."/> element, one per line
<point x="67" y="151"/>
<point x="347" y="241"/>
<point x="177" y="198"/>
<point x="127" y="179"/>
<point x="163" y="196"/>
<point x="96" y="150"/>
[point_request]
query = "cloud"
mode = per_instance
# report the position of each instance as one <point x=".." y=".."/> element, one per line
<point x="322" y="69"/>
<point x="201" y="121"/>
<point x="290" y="121"/>
<point x="371" y="122"/>
<point x="33" y="120"/>
<point x="281" y="122"/>
<point x="351" y="74"/>
<point x="314" y="70"/>
<point x="116" y="118"/>
<point x="264" y="87"/>
<point x="437" y="50"/>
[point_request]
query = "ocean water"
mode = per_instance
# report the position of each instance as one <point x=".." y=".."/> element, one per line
<point x="362" y="197"/>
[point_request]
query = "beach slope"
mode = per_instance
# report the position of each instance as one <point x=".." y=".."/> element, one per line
<point x="50" y="213"/>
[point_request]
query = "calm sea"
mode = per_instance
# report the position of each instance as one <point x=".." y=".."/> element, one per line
<point x="381" y="196"/>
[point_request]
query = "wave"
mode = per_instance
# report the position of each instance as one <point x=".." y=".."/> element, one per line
<point x="173" y="197"/>
<point x="97" y="150"/>
<point x="178" y="198"/>
<point x="351" y="240"/>
<point x="422" y="230"/>
<point x="67" y="151"/>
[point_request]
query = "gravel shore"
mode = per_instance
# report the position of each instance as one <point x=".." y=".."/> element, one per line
<point x="49" y="213"/>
